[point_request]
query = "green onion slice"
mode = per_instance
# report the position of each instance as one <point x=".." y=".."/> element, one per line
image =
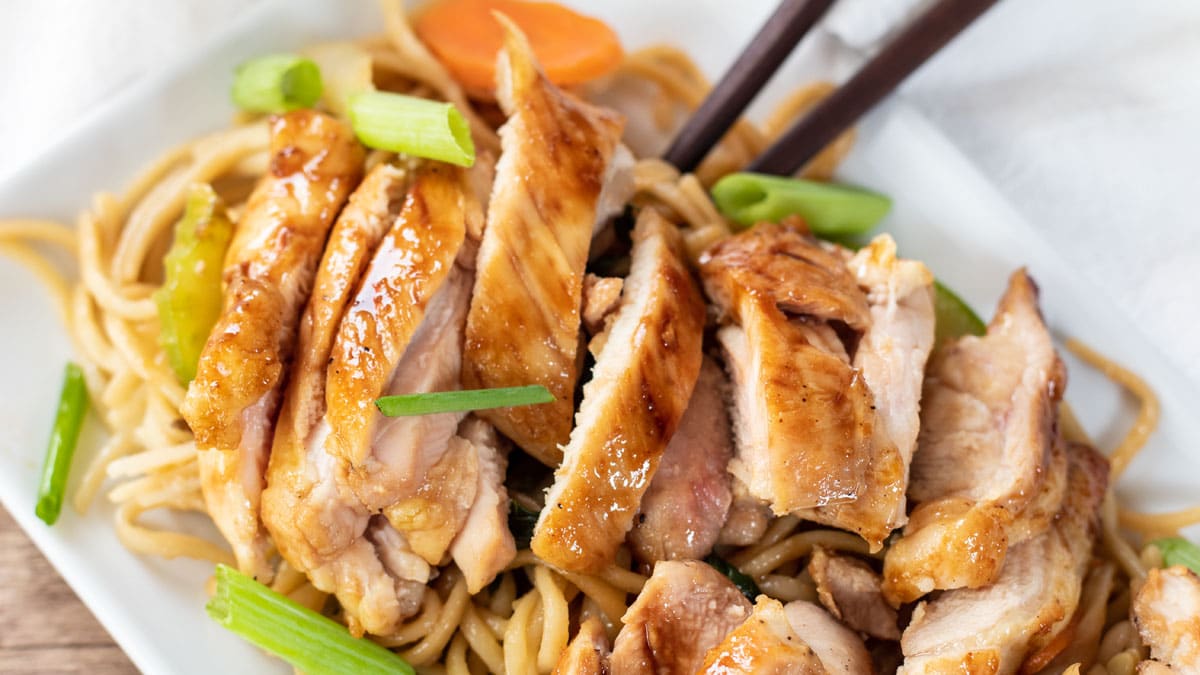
<point x="413" y="126"/>
<point x="1179" y="551"/>
<point x="462" y="401"/>
<point x="744" y="583"/>
<point x="953" y="317"/>
<point x="312" y="643"/>
<point x="829" y="210"/>
<point x="72" y="404"/>
<point x="276" y="83"/>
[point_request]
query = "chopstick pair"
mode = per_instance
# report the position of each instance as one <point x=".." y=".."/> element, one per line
<point x="767" y="50"/>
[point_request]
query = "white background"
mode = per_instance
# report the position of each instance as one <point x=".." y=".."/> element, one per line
<point x="1085" y="113"/>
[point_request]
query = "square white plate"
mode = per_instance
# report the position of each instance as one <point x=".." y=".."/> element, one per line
<point x="945" y="214"/>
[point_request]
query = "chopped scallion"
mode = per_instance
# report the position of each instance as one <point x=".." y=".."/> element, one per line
<point x="828" y="210"/>
<point x="72" y="404"/>
<point x="1179" y="551"/>
<point x="953" y="317"/>
<point x="276" y="83"/>
<point x="413" y="126"/>
<point x="461" y="401"/>
<point x="739" y="578"/>
<point x="312" y="643"/>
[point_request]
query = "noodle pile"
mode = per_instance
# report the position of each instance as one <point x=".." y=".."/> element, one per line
<point x="521" y="622"/>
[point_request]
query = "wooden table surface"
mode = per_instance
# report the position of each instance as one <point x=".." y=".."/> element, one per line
<point x="44" y="628"/>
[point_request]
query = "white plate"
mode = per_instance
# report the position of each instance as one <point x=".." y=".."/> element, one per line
<point x="945" y="214"/>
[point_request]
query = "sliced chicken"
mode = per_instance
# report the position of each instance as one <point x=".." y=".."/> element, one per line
<point x="601" y="297"/>
<point x="523" y="326"/>
<point x="764" y="644"/>
<point x="484" y="545"/>
<point x="840" y="649"/>
<point x="686" y="503"/>
<point x="826" y="351"/>
<point x="685" y="609"/>
<point x="849" y="589"/>
<point x="890" y="358"/>
<point x="368" y="513"/>
<point x="639" y="390"/>
<point x="1166" y="611"/>
<point x="747" y="519"/>
<point x="993" y="629"/>
<point x="587" y="654"/>
<point x="232" y="403"/>
<point x="987" y="434"/>
<point x="802" y="416"/>
<point x="319" y="525"/>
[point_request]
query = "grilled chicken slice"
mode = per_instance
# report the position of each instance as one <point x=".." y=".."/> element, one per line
<point x="484" y="545"/>
<point x="232" y="403"/>
<point x="849" y="589"/>
<point x="747" y="519"/>
<point x="523" y="326"/>
<point x="685" y="506"/>
<point x="840" y="649"/>
<point x="802" y="415"/>
<point x="987" y="434"/>
<point x="1166" y="611"/>
<point x="765" y="644"/>
<point x="993" y="629"/>
<point x="587" y="654"/>
<point x="890" y="358"/>
<point x="685" y="609"/>
<point x="639" y="390"/>
<point x="319" y="525"/>
<point x="403" y="334"/>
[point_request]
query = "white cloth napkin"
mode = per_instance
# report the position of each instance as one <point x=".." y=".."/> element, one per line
<point x="1085" y="113"/>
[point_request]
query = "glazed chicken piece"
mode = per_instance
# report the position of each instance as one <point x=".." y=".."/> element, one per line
<point x="232" y="403"/>
<point x="484" y="545"/>
<point x="802" y="417"/>
<point x="640" y="386"/>
<point x="993" y="629"/>
<point x="523" y="326"/>
<point x="747" y="519"/>
<point x="826" y="353"/>
<point x="587" y="653"/>
<point x="764" y="644"/>
<point x="1166" y="611"/>
<point x="850" y="590"/>
<point x="367" y="505"/>
<point x="314" y="518"/>
<point x="685" y="609"/>
<point x="890" y="358"/>
<point x="985" y="447"/>
<point x="840" y="649"/>
<point x="686" y="503"/>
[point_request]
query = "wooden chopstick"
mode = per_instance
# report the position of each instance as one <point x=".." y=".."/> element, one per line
<point x="875" y="80"/>
<point x="742" y="82"/>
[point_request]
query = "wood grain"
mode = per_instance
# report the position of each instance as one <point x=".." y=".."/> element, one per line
<point x="44" y="628"/>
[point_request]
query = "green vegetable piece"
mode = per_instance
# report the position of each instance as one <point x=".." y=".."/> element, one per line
<point x="829" y="210"/>
<point x="276" y="84"/>
<point x="521" y="522"/>
<point x="313" y="644"/>
<point x="72" y="404"/>
<point x="413" y="126"/>
<point x="953" y="317"/>
<point x="743" y="582"/>
<point x="1179" y="551"/>
<point x="462" y="401"/>
<point x="189" y="301"/>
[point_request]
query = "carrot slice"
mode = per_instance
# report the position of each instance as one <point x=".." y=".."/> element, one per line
<point x="464" y="35"/>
